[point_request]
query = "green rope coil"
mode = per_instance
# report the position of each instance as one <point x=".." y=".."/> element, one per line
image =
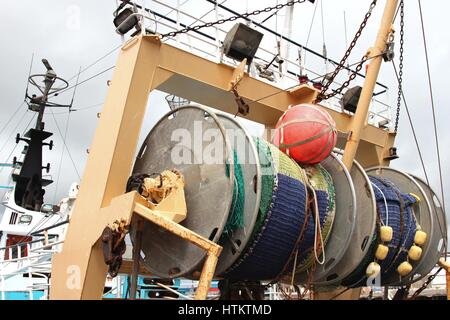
<point x="274" y="162"/>
<point x="267" y="183"/>
<point x="285" y="165"/>
<point x="329" y="185"/>
<point x="236" y="214"/>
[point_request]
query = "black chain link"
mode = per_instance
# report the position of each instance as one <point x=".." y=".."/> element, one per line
<point x="233" y="18"/>
<point x="330" y="79"/>
<point x="400" y="74"/>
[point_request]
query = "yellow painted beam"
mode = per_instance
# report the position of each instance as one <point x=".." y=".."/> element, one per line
<point x="207" y="82"/>
<point x="79" y="271"/>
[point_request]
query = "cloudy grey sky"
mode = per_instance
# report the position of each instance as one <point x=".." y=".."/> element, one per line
<point x="73" y="34"/>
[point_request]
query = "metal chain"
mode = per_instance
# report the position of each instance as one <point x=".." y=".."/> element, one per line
<point x="400" y="78"/>
<point x="330" y="80"/>
<point x="233" y="18"/>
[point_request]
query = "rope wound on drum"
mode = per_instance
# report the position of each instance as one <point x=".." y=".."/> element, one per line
<point x="322" y="205"/>
<point x="398" y="240"/>
<point x="294" y="216"/>
<point x="236" y="215"/>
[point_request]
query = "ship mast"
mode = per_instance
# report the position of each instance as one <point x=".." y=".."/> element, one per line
<point x="29" y="192"/>
<point x="362" y="111"/>
<point x="49" y="80"/>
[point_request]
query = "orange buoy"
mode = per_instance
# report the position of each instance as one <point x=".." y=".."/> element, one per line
<point x="306" y="133"/>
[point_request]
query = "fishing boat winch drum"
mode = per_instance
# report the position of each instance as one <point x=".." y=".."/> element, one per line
<point x="173" y="143"/>
<point x="258" y="204"/>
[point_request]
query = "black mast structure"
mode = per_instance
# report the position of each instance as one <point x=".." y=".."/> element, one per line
<point x="30" y="183"/>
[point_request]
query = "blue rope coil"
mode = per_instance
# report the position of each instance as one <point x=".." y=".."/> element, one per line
<point x="281" y="216"/>
<point x="287" y="226"/>
<point x="399" y="216"/>
<point x="394" y="210"/>
<point x="267" y="256"/>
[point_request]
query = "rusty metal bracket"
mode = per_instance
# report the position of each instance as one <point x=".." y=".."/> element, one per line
<point x="114" y="247"/>
<point x="133" y="204"/>
<point x="243" y="107"/>
<point x="238" y="75"/>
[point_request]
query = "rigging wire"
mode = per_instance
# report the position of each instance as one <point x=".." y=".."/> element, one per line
<point x="12" y="152"/>
<point x="350" y="65"/>
<point x="84" y="81"/>
<point x="29" y="74"/>
<point x="23" y="103"/>
<point x="270" y="16"/>
<point x="15" y="146"/>
<point x="80" y="109"/>
<point x="95" y="62"/>
<point x="88" y="67"/>
<point x="13" y="131"/>
<point x="346" y="34"/>
<point x="65" y="138"/>
<point x="323" y="21"/>
<point x="396" y="13"/>
<point x="310" y="30"/>
<point x="422" y="161"/>
<point x="11" y="118"/>
<point x="433" y="108"/>
<point x="65" y="145"/>
<point x="325" y="51"/>
<point x="345" y="30"/>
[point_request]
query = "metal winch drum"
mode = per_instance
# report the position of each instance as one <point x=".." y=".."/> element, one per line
<point x="247" y="154"/>
<point x="178" y="141"/>
<point x="429" y="218"/>
<point x="353" y="232"/>
<point x="204" y="146"/>
<point x="438" y="237"/>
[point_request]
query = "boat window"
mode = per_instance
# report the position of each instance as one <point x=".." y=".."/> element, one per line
<point x="14" y="243"/>
<point x="25" y="219"/>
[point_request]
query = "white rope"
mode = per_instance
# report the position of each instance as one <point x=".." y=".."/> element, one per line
<point x="386" y="205"/>
<point x="317" y="230"/>
<point x="294" y="268"/>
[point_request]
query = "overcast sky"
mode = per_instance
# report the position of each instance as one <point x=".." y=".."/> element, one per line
<point x="73" y="34"/>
